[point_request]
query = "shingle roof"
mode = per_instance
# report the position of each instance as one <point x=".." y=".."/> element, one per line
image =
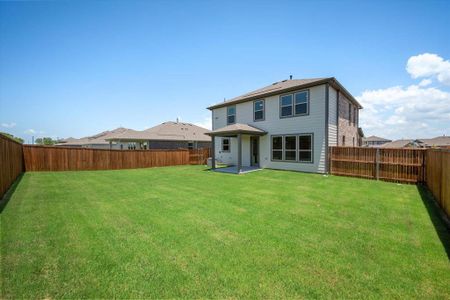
<point x="167" y="131"/>
<point x="437" y="141"/>
<point x="374" y="138"/>
<point x="97" y="139"/>
<point x="286" y="86"/>
<point x="418" y="143"/>
<point x="236" y="129"/>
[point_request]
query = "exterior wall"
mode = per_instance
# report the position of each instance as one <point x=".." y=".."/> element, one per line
<point x="332" y="117"/>
<point x="313" y="123"/>
<point x="230" y="157"/>
<point x="105" y="146"/>
<point x="346" y="127"/>
<point x="176" y="144"/>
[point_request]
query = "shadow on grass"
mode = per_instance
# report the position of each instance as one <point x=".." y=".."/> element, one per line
<point x="436" y="217"/>
<point x="4" y="201"/>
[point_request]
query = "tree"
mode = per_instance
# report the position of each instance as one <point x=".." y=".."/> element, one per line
<point x="47" y="141"/>
<point x="16" y="138"/>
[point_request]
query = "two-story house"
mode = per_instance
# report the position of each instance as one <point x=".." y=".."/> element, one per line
<point x="287" y="125"/>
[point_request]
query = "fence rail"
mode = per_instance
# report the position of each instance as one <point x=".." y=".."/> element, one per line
<point x="199" y="156"/>
<point x="398" y="165"/>
<point x="42" y="158"/>
<point x="438" y="177"/>
<point x="11" y="162"/>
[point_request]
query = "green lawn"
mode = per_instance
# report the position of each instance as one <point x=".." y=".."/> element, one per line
<point x="186" y="232"/>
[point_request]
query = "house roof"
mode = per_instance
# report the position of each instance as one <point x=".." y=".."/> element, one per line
<point x="97" y="139"/>
<point x="374" y="138"/>
<point x="437" y="141"/>
<point x="237" y="128"/>
<point x="403" y="143"/>
<point x="286" y="86"/>
<point x="167" y="131"/>
<point x="419" y="143"/>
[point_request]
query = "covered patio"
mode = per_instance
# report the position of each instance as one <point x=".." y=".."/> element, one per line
<point x="235" y="131"/>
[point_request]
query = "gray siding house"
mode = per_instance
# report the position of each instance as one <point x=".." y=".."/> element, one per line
<point x="287" y="125"/>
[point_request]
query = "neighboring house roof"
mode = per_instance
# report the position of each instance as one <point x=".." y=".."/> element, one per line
<point x="167" y="131"/>
<point x="374" y="138"/>
<point x="403" y="144"/>
<point x="97" y="139"/>
<point x="237" y="128"/>
<point x="438" y="141"/>
<point x="286" y="86"/>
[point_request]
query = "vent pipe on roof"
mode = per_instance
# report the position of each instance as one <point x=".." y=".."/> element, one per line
<point x="290" y="77"/>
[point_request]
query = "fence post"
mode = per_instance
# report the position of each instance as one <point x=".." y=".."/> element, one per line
<point x="377" y="164"/>
<point x="441" y="181"/>
<point x="330" y="153"/>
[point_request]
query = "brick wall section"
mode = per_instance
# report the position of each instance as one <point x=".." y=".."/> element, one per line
<point x="347" y="128"/>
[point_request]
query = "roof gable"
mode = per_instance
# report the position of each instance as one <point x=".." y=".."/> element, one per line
<point x="283" y="87"/>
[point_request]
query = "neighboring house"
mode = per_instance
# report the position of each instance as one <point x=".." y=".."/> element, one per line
<point x="436" y="142"/>
<point x="287" y="125"/>
<point x="97" y="141"/>
<point x="168" y="135"/>
<point x="374" y="141"/>
<point x="403" y="144"/>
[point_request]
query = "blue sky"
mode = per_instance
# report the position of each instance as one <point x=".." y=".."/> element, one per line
<point x="75" y="68"/>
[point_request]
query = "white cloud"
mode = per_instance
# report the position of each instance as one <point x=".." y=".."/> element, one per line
<point x="429" y="65"/>
<point x="405" y="112"/>
<point x="206" y="123"/>
<point x="9" y="125"/>
<point x="425" y="82"/>
<point x="413" y="111"/>
<point x="30" y="131"/>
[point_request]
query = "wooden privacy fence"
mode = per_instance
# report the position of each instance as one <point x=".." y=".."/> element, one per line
<point x="11" y="162"/>
<point x="199" y="156"/>
<point x="42" y="158"/>
<point x="398" y="165"/>
<point x="438" y="176"/>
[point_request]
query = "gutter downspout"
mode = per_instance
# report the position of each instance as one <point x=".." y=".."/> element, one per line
<point x="327" y="114"/>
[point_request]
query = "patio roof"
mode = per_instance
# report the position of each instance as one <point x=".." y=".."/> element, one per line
<point x="235" y="129"/>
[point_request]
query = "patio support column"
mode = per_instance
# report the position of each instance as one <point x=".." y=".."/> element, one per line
<point x="239" y="164"/>
<point x="213" y="152"/>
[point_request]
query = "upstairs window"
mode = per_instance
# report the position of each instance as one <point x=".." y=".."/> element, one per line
<point x="231" y="115"/>
<point x="301" y="103"/>
<point x="258" y="110"/>
<point x="296" y="104"/>
<point x="190" y="145"/>
<point x="286" y="106"/>
<point x="226" y="145"/>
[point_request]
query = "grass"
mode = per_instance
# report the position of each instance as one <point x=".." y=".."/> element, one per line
<point x="185" y="232"/>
